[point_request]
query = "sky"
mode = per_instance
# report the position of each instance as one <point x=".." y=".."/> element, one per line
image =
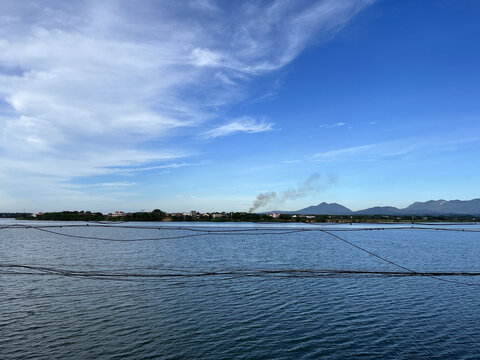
<point x="206" y="105"/>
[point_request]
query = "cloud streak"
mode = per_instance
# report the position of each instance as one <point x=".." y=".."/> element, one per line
<point x="415" y="146"/>
<point x="244" y="124"/>
<point x="330" y="126"/>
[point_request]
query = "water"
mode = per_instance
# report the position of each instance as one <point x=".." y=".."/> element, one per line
<point x="242" y="313"/>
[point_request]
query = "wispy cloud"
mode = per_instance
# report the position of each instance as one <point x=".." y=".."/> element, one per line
<point x="115" y="184"/>
<point x="334" y="125"/>
<point x="345" y="152"/>
<point x="395" y="148"/>
<point x="104" y="185"/>
<point x="269" y="35"/>
<point x="244" y="124"/>
<point x="291" y="161"/>
<point x="175" y="165"/>
<point x="89" y="86"/>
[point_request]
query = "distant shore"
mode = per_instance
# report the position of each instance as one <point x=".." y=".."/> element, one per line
<point x="193" y="216"/>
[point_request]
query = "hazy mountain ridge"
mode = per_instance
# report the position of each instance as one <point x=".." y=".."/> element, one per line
<point x="381" y="210"/>
<point x="431" y="207"/>
<point x="325" y="208"/>
<point x="470" y="207"/>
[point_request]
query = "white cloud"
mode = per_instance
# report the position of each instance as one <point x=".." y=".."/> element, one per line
<point x="206" y="57"/>
<point x="104" y="185"/>
<point x="267" y="36"/>
<point x="291" y="161"/>
<point x="415" y="146"/>
<point x="345" y="153"/>
<point x="244" y="124"/>
<point x="88" y="86"/>
<point x="115" y="184"/>
<point x="131" y="169"/>
<point x="334" y="125"/>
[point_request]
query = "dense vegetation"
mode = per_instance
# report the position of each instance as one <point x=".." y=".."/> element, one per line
<point x="158" y="215"/>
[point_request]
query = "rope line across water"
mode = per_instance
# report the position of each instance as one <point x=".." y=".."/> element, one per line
<point x="205" y="231"/>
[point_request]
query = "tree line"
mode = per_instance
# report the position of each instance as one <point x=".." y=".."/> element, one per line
<point x="159" y="215"/>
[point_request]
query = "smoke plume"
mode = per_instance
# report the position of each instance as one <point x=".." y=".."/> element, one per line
<point x="314" y="183"/>
<point x="263" y="199"/>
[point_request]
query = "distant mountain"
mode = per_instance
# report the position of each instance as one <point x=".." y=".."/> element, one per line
<point x="444" y="207"/>
<point x="381" y="210"/>
<point x="431" y="207"/>
<point x="325" y="209"/>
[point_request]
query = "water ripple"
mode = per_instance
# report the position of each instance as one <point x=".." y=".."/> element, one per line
<point x="264" y="298"/>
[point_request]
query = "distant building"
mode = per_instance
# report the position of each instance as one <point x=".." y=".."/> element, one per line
<point x="117" y="214"/>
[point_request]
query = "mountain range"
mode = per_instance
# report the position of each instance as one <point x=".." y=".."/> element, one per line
<point x="431" y="207"/>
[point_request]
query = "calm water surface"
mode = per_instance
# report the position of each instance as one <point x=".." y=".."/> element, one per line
<point x="237" y="310"/>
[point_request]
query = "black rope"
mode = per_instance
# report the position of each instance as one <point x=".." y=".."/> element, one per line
<point x="120" y="274"/>
<point x="162" y="238"/>
<point x="238" y="232"/>
<point x="221" y="229"/>
<point x="396" y="264"/>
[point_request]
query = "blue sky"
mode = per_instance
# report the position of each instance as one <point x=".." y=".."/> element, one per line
<point x="120" y="105"/>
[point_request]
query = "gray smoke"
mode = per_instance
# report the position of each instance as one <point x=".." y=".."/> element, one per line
<point x="311" y="184"/>
<point x="263" y="199"/>
<point x="314" y="183"/>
